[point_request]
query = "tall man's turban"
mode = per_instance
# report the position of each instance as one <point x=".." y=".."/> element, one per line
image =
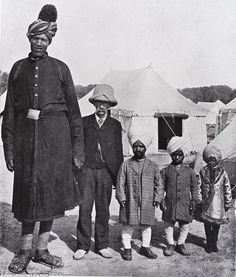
<point x="45" y="24"/>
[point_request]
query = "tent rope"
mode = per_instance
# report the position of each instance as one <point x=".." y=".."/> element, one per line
<point x="168" y="125"/>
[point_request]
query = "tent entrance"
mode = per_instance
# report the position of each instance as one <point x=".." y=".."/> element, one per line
<point x="167" y="128"/>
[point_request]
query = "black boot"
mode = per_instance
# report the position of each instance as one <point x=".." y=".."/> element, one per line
<point x="169" y="250"/>
<point x="208" y="232"/>
<point x="147" y="252"/>
<point x="215" y="232"/>
<point x="182" y="250"/>
<point x="127" y="254"/>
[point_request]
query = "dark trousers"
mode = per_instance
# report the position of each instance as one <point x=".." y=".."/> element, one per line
<point x="98" y="189"/>
<point x="211" y="231"/>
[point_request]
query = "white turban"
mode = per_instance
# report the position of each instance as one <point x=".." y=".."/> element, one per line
<point x="142" y="134"/>
<point x="183" y="143"/>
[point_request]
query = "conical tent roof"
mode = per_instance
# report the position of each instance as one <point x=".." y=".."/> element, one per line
<point x="144" y="92"/>
<point x="231" y="104"/>
<point x="226" y="140"/>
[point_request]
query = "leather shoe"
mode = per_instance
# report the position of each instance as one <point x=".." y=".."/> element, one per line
<point x="79" y="254"/>
<point x="214" y="248"/>
<point x="169" y="250"/>
<point x="127" y="255"/>
<point x="208" y="248"/>
<point x="105" y="253"/>
<point x="182" y="250"/>
<point x="147" y="252"/>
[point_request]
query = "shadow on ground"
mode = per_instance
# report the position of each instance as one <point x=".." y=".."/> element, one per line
<point x="65" y="229"/>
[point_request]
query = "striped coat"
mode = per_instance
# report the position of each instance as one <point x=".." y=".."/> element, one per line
<point x="151" y="190"/>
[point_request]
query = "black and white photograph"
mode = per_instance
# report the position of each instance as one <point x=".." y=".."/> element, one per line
<point x="118" y="138"/>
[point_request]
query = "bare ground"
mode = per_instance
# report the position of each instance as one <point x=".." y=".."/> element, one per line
<point x="63" y="243"/>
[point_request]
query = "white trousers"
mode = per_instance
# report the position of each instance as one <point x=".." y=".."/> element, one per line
<point x="127" y="232"/>
<point x="169" y="232"/>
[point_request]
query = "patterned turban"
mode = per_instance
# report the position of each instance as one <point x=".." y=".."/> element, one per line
<point x="142" y="134"/>
<point x="211" y="151"/>
<point x="40" y="27"/>
<point x="45" y="24"/>
<point x="182" y="143"/>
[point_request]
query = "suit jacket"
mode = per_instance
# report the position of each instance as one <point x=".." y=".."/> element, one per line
<point x="110" y="138"/>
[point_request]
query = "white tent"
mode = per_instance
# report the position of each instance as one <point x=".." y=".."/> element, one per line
<point x="2" y="106"/>
<point x="213" y="110"/>
<point x="2" y="101"/>
<point x="231" y="104"/>
<point x="144" y="98"/>
<point x="226" y="140"/>
<point x="225" y="116"/>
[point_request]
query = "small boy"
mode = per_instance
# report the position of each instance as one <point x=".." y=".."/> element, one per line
<point x="181" y="194"/>
<point x="139" y="190"/>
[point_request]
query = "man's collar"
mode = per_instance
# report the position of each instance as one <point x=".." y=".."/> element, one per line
<point x="33" y="58"/>
<point x="103" y="118"/>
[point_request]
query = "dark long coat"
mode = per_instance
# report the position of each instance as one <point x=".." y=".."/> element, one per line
<point x="42" y="150"/>
<point x="180" y="187"/>
<point x="109" y="136"/>
<point x="152" y="190"/>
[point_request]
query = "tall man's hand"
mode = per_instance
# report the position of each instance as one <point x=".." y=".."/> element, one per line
<point x="77" y="163"/>
<point x="10" y="165"/>
<point x="156" y="204"/>
<point x="122" y="203"/>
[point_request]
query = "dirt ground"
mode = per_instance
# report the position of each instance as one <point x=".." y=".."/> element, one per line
<point x="63" y="243"/>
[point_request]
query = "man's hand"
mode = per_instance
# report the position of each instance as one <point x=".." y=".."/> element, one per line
<point x="77" y="163"/>
<point x="163" y="206"/>
<point x="156" y="204"/>
<point x="122" y="203"/>
<point x="193" y="206"/>
<point x="10" y="165"/>
<point x="204" y="206"/>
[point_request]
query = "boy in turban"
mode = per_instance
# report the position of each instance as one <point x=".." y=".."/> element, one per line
<point x="42" y="137"/>
<point x="180" y="185"/>
<point x="139" y="190"/>
<point x="215" y="196"/>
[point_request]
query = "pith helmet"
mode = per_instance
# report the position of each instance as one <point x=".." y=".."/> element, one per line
<point x="103" y="92"/>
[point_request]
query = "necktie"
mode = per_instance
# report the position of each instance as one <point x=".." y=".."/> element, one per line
<point x="100" y="121"/>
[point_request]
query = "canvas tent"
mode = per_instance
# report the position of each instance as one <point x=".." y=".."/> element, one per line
<point x="2" y="101"/>
<point x="225" y="116"/>
<point x="213" y="110"/>
<point x="211" y="117"/>
<point x="144" y="98"/>
<point x="226" y="140"/>
<point x="2" y="106"/>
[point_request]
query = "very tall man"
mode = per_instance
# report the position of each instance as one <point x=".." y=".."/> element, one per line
<point x="42" y="138"/>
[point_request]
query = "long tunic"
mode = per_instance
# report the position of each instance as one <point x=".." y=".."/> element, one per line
<point x="42" y="150"/>
<point x="180" y="187"/>
<point x="216" y="194"/>
<point x="139" y="208"/>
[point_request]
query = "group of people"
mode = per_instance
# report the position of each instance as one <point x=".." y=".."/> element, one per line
<point x="48" y="144"/>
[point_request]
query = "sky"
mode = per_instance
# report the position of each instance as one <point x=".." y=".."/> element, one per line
<point x="189" y="43"/>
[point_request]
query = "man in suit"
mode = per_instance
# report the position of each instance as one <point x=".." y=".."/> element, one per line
<point x="103" y="157"/>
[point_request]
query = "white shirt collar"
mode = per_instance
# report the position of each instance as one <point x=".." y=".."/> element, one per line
<point x="97" y="118"/>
